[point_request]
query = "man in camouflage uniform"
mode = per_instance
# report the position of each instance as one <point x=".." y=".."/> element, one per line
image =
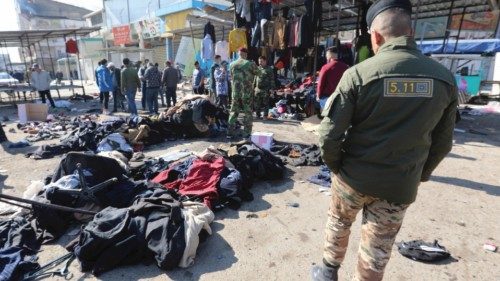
<point x="264" y="83"/>
<point x="243" y="72"/>
<point x="386" y="127"/>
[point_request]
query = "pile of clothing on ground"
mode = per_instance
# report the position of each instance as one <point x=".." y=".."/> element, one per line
<point x="297" y="96"/>
<point x="298" y="154"/>
<point x="195" y="116"/>
<point x="154" y="210"/>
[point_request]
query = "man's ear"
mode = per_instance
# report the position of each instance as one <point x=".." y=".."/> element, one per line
<point x="379" y="39"/>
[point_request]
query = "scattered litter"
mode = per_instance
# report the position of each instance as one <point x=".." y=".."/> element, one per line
<point x="419" y="250"/>
<point x="461" y="223"/>
<point x="252" y="216"/>
<point x="263" y="215"/>
<point x="302" y="181"/>
<point x="19" y="144"/>
<point x="459" y="130"/>
<point x="490" y="247"/>
<point x="63" y="103"/>
<point x="323" y="189"/>
<point x="293" y="205"/>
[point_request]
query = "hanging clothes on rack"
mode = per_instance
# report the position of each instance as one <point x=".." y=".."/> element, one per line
<point x="209" y="29"/>
<point x="237" y="39"/>
<point x="222" y="49"/>
<point x="278" y="37"/>
<point x="207" y="48"/>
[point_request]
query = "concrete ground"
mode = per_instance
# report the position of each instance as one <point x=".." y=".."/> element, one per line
<point x="460" y="207"/>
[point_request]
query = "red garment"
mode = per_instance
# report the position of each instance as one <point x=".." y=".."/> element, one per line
<point x="71" y="47"/>
<point x="201" y="180"/>
<point x="329" y="78"/>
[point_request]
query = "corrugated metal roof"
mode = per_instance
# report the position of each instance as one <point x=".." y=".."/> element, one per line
<point x="26" y="37"/>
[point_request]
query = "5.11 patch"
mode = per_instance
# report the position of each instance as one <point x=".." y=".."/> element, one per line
<point x="408" y="87"/>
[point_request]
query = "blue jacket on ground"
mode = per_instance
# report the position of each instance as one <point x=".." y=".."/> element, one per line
<point x="105" y="79"/>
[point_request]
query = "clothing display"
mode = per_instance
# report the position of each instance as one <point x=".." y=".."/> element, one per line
<point x="222" y="49"/>
<point x="71" y="47"/>
<point x="237" y="39"/>
<point x="207" y="48"/>
<point x="210" y="30"/>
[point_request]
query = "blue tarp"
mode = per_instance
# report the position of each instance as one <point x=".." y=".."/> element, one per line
<point x="477" y="46"/>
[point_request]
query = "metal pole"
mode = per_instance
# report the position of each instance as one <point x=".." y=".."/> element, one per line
<point x="459" y="30"/>
<point x="80" y="67"/>
<point x="24" y="59"/>
<point x="416" y="16"/>
<point x="4" y="60"/>
<point x="41" y="55"/>
<point x="50" y="56"/>
<point x="192" y="36"/>
<point x="447" y="33"/>
<point x="29" y="49"/>
<point x="69" y="68"/>
<point x="10" y="61"/>
<point x="47" y="205"/>
<point x="339" y="5"/>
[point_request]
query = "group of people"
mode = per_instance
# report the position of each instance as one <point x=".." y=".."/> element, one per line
<point x="242" y="82"/>
<point x="143" y="77"/>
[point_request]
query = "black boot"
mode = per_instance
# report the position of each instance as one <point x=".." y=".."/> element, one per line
<point x="324" y="273"/>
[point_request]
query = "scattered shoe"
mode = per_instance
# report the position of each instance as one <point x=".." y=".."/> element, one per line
<point x="324" y="273"/>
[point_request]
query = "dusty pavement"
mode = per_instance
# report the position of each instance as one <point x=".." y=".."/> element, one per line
<point x="460" y="207"/>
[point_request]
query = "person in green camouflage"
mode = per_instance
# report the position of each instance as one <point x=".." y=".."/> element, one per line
<point x="264" y="83"/>
<point x="243" y="72"/>
<point x="386" y="127"/>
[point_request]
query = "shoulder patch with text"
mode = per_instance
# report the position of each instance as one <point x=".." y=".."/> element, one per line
<point x="408" y="87"/>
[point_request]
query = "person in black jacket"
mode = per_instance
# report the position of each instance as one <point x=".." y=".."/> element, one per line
<point x="209" y="29"/>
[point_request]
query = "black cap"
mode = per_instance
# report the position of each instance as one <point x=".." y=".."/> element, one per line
<point x="382" y="5"/>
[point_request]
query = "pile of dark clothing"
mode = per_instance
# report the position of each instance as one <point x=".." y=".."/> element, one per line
<point x="85" y="136"/>
<point x="19" y="244"/>
<point x="298" y="154"/>
<point x="193" y="117"/>
<point x="157" y="211"/>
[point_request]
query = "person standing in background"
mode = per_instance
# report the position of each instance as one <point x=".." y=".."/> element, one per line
<point x="329" y="76"/>
<point x="130" y="83"/>
<point x="221" y="75"/>
<point x="169" y="79"/>
<point x="140" y="73"/>
<point x="198" y="79"/>
<point x="215" y="65"/>
<point x="40" y="80"/>
<point x="116" y="74"/>
<point x="243" y="72"/>
<point x="264" y="83"/>
<point x="152" y="76"/>
<point x="105" y="82"/>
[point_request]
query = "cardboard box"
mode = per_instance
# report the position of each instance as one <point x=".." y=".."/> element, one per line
<point x="263" y="140"/>
<point x="32" y="112"/>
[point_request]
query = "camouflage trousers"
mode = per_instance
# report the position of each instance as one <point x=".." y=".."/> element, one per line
<point x="261" y="102"/>
<point x="380" y="225"/>
<point x="241" y="102"/>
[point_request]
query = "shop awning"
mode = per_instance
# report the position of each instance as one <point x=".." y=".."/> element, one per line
<point x="23" y="38"/>
<point x="477" y="46"/>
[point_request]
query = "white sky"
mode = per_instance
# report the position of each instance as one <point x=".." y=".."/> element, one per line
<point x="9" y="17"/>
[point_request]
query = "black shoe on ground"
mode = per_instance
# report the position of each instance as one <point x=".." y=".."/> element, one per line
<point x="324" y="273"/>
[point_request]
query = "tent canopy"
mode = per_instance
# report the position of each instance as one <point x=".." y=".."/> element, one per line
<point x="24" y="38"/>
<point x="478" y="46"/>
